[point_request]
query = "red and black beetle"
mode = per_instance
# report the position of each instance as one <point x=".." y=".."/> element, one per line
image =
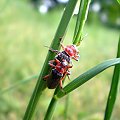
<point x="60" y="65"/>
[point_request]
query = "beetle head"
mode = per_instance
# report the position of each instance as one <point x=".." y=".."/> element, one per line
<point x="72" y="51"/>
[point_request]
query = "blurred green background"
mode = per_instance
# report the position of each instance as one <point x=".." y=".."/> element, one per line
<point x="23" y="34"/>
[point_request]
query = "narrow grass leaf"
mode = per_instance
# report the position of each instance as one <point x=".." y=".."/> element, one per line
<point x="67" y="101"/>
<point x="51" y="107"/>
<point x="16" y="85"/>
<point x="82" y="16"/>
<point x="87" y="76"/>
<point x="113" y="89"/>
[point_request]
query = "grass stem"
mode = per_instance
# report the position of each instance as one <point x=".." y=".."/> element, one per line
<point x="113" y="88"/>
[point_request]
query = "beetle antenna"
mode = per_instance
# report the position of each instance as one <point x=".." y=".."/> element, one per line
<point x="68" y="77"/>
<point x="52" y="50"/>
<point x="46" y="46"/>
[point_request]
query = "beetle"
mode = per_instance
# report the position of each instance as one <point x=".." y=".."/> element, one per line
<point x="60" y="65"/>
<point x="58" y="72"/>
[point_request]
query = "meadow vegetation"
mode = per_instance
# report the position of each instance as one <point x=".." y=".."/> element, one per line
<point x="23" y="34"/>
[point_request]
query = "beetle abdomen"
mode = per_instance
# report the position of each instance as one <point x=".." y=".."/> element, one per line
<point x="54" y="79"/>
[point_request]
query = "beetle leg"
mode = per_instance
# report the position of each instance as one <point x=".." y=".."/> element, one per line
<point x="56" y="60"/>
<point x="68" y="77"/>
<point x="61" y="86"/>
<point x="60" y="38"/>
<point x="68" y="72"/>
<point x="51" y="65"/>
<point x="62" y="46"/>
<point x="62" y="79"/>
<point x="55" y="51"/>
<point x="75" y="58"/>
<point x="51" y="61"/>
<point x="70" y="66"/>
<point x="46" y="77"/>
<point x="63" y="91"/>
<point x="61" y="43"/>
<point x="61" y="83"/>
<point x="52" y="50"/>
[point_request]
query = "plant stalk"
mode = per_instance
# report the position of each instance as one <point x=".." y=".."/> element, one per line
<point x="66" y="107"/>
<point x="51" y="108"/>
<point x="113" y="89"/>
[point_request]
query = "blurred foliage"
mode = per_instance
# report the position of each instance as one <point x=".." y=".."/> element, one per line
<point x="23" y="34"/>
<point x="111" y="9"/>
<point x="107" y="11"/>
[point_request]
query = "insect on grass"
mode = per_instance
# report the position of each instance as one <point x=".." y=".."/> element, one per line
<point x="60" y="65"/>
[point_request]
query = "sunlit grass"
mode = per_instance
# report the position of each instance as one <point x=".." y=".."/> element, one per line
<point x="23" y="34"/>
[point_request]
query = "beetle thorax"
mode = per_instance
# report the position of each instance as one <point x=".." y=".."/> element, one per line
<point x="71" y="50"/>
<point x="63" y="56"/>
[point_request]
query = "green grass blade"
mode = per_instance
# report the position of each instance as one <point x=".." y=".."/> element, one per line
<point x="21" y="82"/>
<point x="41" y="84"/>
<point x="51" y="107"/>
<point x="82" y="16"/>
<point x="118" y="1"/>
<point x="113" y="89"/>
<point x="87" y="76"/>
<point x="67" y="101"/>
<point x="77" y="22"/>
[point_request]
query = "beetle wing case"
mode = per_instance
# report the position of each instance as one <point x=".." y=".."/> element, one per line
<point x="53" y="79"/>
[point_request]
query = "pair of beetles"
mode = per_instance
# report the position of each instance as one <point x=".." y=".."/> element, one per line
<point x="60" y="65"/>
